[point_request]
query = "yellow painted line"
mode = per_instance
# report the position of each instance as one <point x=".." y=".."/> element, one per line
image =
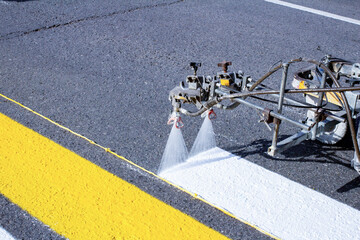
<point x="137" y="166"/>
<point x="80" y="200"/>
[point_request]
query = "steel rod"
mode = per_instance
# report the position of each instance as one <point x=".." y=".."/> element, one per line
<point x="272" y="148"/>
<point x="300" y="104"/>
<point x="274" y="114"/>
<point x="309" y="90"/>
<point x="319" y="103"/>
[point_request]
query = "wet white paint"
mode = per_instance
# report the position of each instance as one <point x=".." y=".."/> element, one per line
<point x="4" y="235"/>
<point x="265" y="199"/>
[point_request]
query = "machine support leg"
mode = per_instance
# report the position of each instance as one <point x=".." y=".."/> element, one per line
<point x="319" y="103"/>
<point x="272" y="148"/>
<point x="292" y="141"/>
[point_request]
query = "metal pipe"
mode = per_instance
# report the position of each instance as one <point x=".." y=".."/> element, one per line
<point x="272" y="148"/>
<point x="228" y="107"/>
<point x="282" y="87"/>
<point x="234" y="96"/>
<point x="309" y="90"/>
<point x="192" y="114"/>
<point x="268" y="74"/>
<point x="300" y="104"/>
<point x="319" y="103"/>
<point x="274" y="114"/>
<point x="287" y="99"/>
<point x="326" y="113"/>
<point x="208" y="105"/>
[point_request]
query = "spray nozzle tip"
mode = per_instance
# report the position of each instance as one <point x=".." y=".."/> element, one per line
<point x="175" y="119"/>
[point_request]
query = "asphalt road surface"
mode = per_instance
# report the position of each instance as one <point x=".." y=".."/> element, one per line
<point x="104" y="69"/>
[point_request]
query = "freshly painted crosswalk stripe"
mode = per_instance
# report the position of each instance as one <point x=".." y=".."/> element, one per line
<point x="80" y="200"/>
<point x="4" y="235"/>
<point x="263" y="198"/>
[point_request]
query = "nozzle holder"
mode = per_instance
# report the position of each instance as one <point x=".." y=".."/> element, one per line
<point x="224" y="65"/>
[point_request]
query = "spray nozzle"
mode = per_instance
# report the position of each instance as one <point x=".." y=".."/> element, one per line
<point x="179" y="123"/>
<point x="175" y="119"/>
<point x="210" y="114"/>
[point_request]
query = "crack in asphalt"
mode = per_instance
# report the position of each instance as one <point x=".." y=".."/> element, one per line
<point x="23" y="33"/>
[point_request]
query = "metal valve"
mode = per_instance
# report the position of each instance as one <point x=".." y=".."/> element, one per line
<point x="224" y="65"/>
<point x="195" y="66"/>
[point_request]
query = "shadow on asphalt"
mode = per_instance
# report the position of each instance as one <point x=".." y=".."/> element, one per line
<point x="307" y="151"/>
<point x="350" y="185"/>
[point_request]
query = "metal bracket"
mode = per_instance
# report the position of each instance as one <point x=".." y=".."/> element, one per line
<point x="320" y="115"/>
<point x="267" y="117"/>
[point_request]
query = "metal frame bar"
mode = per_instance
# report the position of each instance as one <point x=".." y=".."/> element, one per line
<point x="272" y="148"/>
<point x="272" y="113"/>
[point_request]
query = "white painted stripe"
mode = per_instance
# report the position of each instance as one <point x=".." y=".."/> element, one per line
<point x="4" y="235"/>
<point x="315" y="11"/>
<point x="263" y="198"/>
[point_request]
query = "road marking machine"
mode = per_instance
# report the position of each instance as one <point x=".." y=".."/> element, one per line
<point x="330" y="87"/>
